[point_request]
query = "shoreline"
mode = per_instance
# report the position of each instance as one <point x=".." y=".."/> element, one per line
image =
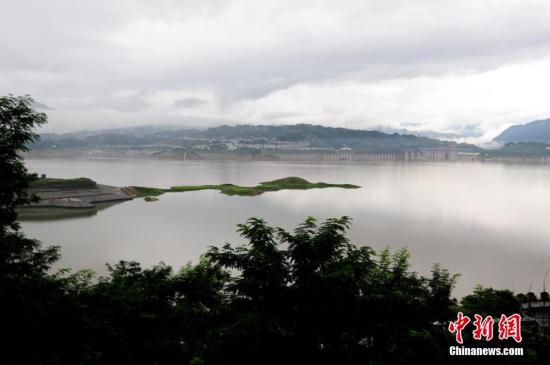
<point x="83" y="193"/>
<point x="77" y="198"/>
<point x="313" y="156"/>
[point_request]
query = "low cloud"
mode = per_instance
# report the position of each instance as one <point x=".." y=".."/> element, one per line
<point x="189" y="102"/>
<point x="39" y="105"/>
<point x="127" y="103"/>
<point x="435" y="63"/>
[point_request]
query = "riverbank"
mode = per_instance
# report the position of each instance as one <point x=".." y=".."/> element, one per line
<point x="319" y="155"/>
<point x="79" y="193"/>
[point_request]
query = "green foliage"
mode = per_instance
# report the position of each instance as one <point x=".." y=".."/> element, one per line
<point x="231" y="189"/>
<point x="489" y="301"/>
<point x="493" y="302"/>
<point x="523" y="149"/>
<point x="287" y="183"/>
<point x="17" y="122"/>
<point x="315" y="135"/>
<point x="531" y="297"/>
<point x="184" y="188"/>
<point x="51" y="183"/>
<point x="32" y="301"/>
<point x="297" y="183"/>
<point x="325" y="137"/>
<point x="146" y="191"/>
<point x="326" y="300"/>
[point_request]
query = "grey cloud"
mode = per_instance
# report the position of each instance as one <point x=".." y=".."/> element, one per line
<point x="71" y="55"/>
<point x="400" y="41"/>
<point x="279" y="115"/>
<point x="127" y="104"/>
<point x="189" y="102"/>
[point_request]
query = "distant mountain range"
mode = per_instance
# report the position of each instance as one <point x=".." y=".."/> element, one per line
<point x="537" y="131"/>
<point x="315" y="136"/>
<point x="466" y="131"/>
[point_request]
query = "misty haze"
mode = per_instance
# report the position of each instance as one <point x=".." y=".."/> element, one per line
<point x="249" y="182"/>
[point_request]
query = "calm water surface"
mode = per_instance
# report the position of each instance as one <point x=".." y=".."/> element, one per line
<point x="488" y="222"/>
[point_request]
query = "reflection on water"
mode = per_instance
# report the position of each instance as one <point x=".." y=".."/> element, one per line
<point x="53" y="213"/>
<point x="485" y="221"/>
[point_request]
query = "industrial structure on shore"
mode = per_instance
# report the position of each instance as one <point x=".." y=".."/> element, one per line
<point x="422" y="154"/>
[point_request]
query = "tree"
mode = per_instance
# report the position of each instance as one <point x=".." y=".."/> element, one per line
<point x="531" y="297"/>
<point x="489" y="301"/>
<point x="148" y="316"/>
<point x="32" y="300"/>
<point x="18" y="120"/>
<point x="325" y="300"/>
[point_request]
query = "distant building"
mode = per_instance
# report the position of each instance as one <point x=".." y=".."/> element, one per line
<point x="536" y="312"/>
<point x="337" y="156"/>
<point x="467" y="156"/>
<point x="438" y="154"/>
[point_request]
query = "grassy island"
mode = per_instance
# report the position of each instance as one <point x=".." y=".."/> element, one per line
<point x="287" y="183"/>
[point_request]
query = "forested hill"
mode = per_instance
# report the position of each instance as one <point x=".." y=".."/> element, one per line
<point x="328" y="137"/>
<point x="537" y="131"/>
<point x="314" y="136"/>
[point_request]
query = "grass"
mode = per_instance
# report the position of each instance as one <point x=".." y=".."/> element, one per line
<point x="53" y="183"/>
<point x="230" y="189"/>
<point x="288" y="183"/>
<point x="145" y="191"/>
<point x="184" y="188"/>
<point x="300" y="184"/>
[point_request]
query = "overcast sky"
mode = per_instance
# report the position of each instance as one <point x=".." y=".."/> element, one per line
<point x="435" y="65"/>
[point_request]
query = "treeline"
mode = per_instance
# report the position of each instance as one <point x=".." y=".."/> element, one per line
<point x="54" y="183"/>
<point x="302" y="297"/>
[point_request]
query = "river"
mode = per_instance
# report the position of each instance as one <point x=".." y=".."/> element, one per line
<point x="488" y="222"/>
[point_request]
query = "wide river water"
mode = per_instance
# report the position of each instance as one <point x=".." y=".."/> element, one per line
<point x="488" y="222"/>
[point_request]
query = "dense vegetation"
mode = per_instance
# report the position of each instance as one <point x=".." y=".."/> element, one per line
<point x="287" y="183"/>
<point x="522" y="149"/>
<point x="54" y="183"/>
<point x="531" y="139"/>
<point x="145" y="191"/>
<point x="303" y="297"/>
<point x="325" y="137"/>
<point x="315" y="135"/>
